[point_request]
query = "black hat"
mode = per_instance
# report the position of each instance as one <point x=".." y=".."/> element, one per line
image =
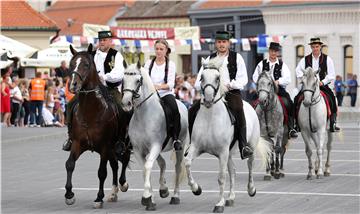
<point x="104" y="34"/>
<point x="274" y="46"/>
<point x="222" y="35"/>
<point x="315" y="41"/>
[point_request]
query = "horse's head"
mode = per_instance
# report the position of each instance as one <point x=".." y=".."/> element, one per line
<point x="81" y="66"/>
<point x="210" y="81"/>
<point x="310" y="84"/>
<point x="131" y="84"/>
<point x="266" y="88"/>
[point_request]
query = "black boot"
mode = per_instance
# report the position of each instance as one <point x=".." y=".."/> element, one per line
<point x="333" y="127"/>
<point x="292" y="131"/>
<point x="245" y="149"/>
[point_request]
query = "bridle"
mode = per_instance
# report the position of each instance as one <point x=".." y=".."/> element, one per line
<point x="316" y="99"/>
<point x="268" y="96"/>
<point x="135" y="93"/>
<point x="216" y="89"/>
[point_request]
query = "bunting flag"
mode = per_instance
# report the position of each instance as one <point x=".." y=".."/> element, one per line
<point x="262" y="43"/>
<point x="196" y="45"/>
<point x="245" y="44"/>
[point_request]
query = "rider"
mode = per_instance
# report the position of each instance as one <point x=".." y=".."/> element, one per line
<point x="109" y="64"/>
<point x="281" y="75"/>
<point x="162" y="73"/>
<point x="322" y="62"/>
<point x="236" y="81"/>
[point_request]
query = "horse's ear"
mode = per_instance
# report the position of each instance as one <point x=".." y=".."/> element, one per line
<point x="125" y="64"/>
<point x="202" y="61"/>
<point x="138" y="65"/>
<point x="73" y="51"/>
<point x="90" y="48"/>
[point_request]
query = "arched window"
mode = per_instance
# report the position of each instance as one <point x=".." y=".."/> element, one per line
<point x="324" y="49"/>
<point x="348" y="60"/>
<point x="300" y="53"/>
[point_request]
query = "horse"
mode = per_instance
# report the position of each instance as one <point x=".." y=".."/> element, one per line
<point x="213" y="133"/>
<point x="312" y="120"/>
<point x="148" y="131"/>
<point x="95" y="127"/>
<point x="271" y="117"/>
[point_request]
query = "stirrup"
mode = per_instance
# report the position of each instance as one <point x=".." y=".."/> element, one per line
<point x="177" y="145"/>
<point x="67" y="145"/>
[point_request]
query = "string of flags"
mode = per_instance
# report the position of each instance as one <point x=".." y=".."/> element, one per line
<point x="262" y="41"/>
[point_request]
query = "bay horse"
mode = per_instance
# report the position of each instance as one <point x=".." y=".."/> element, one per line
<point x="312" y="119"/>
<point x="271" y="117"/>
<point x="148" y="131"/>
<point x="95" y="126"/>
<point x="213" y="133"/>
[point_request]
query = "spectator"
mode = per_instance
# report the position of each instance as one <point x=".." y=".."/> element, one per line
<point x="50" y="99"/>
<point x="339" y="89"/>
<point x="5" y="96"/>
<point x="252" y="96"/>
<point x="16" y="100"/>
<point x="37" y="95"/>
<point x="184" y="96"/>
<point x="353" y="85"/>
<point x="24" y="85"/>
<point x="62" y="71"/>
<point x="59" y="107"/>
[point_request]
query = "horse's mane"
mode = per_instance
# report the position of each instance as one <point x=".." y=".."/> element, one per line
<point x="217" y="62"/>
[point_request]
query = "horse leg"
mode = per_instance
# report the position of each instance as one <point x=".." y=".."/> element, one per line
<point x="192" y="154"/>
<point x="319" y="150"/>
<point x="231" y="170"/>
<point x="164" y="191"/>
<point x="178" y="172"/>
<point x="251" y="187"/>
<point x="147" y="199"/>
<point x="70" y="166"/>
<point x="270" y="167"/>
<point x="223" y="157"/>
<point x="114" y="190"/>
<point x="277" y="154"/>
<point x="102" y="173"/>
<point x="124" y="186"/>
<point x="329" y="147"/>
<point x="308" y="154"/>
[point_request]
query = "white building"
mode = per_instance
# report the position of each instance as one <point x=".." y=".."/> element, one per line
<point x="336" y="23"/>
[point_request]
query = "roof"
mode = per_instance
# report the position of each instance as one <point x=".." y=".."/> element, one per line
<point x="80" y="12"/>
<point x="216" y="4"/>
<point x="18" y="15"/>
<point x="157" y="9"/>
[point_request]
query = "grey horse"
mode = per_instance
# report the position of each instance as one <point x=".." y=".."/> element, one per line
<point x="270" y="113"/>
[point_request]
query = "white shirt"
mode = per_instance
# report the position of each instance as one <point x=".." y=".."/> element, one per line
<point x="116" y="74"/>
<point x="241" y="78"/>
<point x="158" y="75"/>
<point x="285" y="78"/>
<point x="315" y="65"/>
<point x="15" y="92"/>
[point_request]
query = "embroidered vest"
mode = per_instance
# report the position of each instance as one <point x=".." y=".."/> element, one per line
<point x="109" y="64"/>
<point x="232" y="65"/>
<point x="277" y="69"/>
<point x="322" y="64"/>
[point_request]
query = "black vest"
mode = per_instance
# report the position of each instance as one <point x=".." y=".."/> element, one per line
<point x="166" y="68"/>
<point x="109" y="64"/>
<point x="232" y="65"/>
<point x="322" y="64"/>
<point x="277" y="69"/>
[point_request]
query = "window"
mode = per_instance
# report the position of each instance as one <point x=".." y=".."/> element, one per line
<point x="348" y="60"/>
<point x="300" y="52"/>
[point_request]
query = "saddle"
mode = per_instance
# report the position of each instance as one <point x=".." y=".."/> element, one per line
<point x="256" y="102"/>
<point x="327" y="102"/>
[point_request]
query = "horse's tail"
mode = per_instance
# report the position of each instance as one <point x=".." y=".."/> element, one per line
<point x="182" y="175"/>
<point x="263" y="150"/>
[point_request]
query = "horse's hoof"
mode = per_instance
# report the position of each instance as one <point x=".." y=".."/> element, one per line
<point x="309" y="177"/>
<point x="319" y="176"/>
<point x="218" y="209"/>
<point x="277" y="175"/>
<point x="112" y="198"/>
<point x="175" y="200"/>
<point x="70" y="201"/>
<point x="326" y="174"/>
<point x="252" y="194"/>
<point x="124" y="187"/>
<point x="164" y="193"/>
<point x="146" y="201"/>
<point x="229" y="203"/>
<point x="316" y="172"/>
<point x="282" y="175"/>
<point x="267" y="178"/>
<point x="198" y="191"/>
<point x="98" y="205"/>
<point x="151" y="207"/>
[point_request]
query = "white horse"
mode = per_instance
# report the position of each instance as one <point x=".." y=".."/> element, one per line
<point x="271" y="117"/>
<point x="147" y="131"/>
<point x="213" y="133"/>
<point x="312" y="119"/>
